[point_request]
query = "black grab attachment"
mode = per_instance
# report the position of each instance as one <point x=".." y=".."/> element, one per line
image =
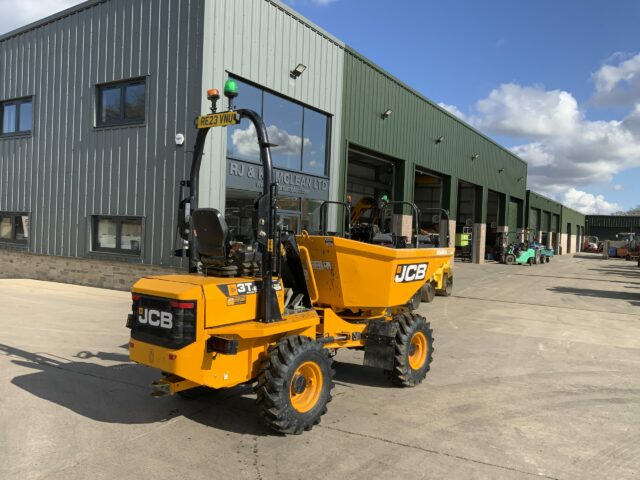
<point x="265" y="217"/>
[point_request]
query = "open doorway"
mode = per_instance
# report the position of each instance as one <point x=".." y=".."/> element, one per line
<point x="493" y="242"/>
<point x="427" y="195"/>
<point x="465" y="219"/>
<point x="369" y="176"/>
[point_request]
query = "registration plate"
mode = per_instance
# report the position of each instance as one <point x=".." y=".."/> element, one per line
<point x="217" y="120"/>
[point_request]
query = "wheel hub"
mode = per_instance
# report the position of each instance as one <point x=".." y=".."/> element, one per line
<point x="306" y="386"/>
<point x="299" y="384"/>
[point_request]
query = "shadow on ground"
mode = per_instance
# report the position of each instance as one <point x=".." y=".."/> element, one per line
<point x="633" y="298"/>
<point x="120" y="392"/>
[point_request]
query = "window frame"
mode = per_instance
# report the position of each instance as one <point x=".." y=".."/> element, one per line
<point x="95" y="219"/>
<point x="13" y="240"/>
<point x="17" y="102"/>
<point x="122" y="86"/>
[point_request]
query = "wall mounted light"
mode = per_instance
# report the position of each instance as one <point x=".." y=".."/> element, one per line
<point x="519" y="179"/>
<point x="475" y="156"/>
<point x="299" y="70"/>
<point x="440" y="139"/>
<point x="501" y="170"/>
<point x="387" y="114"/>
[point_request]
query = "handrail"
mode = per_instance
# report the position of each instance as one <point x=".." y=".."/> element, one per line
<point x="312" y="278"/>
<point x="347" y="211"/>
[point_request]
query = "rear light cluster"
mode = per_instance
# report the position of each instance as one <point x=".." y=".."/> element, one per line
<point x="162" y="321"/>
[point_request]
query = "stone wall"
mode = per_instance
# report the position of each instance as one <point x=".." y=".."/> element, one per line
<point x="80" y="271"/>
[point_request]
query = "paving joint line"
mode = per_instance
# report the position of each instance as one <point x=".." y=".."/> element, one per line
<point x="542" y="306"/>
<point x="437" y="452"/>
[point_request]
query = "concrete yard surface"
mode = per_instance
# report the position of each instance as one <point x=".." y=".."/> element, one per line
<point x="536" y="373"/>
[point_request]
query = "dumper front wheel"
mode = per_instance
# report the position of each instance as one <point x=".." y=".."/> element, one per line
<point x="413" y="350"/>
<point x="294" y="385"/>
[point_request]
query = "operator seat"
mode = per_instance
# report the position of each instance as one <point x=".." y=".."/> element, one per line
<point x="211" y="234"/>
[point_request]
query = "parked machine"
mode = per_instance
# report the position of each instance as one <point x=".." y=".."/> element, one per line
<point x="521" y="254"/>
<point x="274" y="312"/>
<point x="546" y="254"/>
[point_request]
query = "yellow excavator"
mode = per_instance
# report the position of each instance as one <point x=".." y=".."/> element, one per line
<point x="273" y="313"/>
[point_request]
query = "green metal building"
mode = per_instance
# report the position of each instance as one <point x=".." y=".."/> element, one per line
<point x="543" y="217"/>
<point x="606" y="227"/>
<point x="396" y="141"/>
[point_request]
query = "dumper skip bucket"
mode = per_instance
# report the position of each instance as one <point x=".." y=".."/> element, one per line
<point x="347" y="274"/>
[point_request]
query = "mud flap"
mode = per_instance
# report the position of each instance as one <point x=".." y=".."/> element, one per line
<point x="379" y="347"/>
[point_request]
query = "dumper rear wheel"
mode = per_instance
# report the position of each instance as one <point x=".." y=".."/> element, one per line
<point x="427" y="293"/>
<point x="509" y="259"/>
<point x="413" y="350"/>
<point x="448" y="286"/>
<point x="294" y="385"/>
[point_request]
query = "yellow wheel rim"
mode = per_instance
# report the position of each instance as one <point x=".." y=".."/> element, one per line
<point x="306" y="386"/>
<point x="418" y="351"/>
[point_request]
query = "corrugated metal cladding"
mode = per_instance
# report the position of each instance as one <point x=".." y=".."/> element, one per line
<point x="546" y="206"/>
<point x="411" y="131"/>
<point x="613" y="221"/>
<point x="262" y="41"/>
<point x="573" y="217"/>
<point x="68" y="170"/>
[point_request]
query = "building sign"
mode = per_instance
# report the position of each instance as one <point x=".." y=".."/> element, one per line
<point x="248" y="176"/>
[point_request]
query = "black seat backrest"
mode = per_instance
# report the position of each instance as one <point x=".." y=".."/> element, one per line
<point x="211" y="232"/>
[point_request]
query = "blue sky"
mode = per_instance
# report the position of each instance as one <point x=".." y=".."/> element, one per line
<point x="556" y="81"/>
<point x="535" y="67"/>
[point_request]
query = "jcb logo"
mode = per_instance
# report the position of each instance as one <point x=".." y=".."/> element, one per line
<point x="411" y="273"/>
<point x="156" y="318"/>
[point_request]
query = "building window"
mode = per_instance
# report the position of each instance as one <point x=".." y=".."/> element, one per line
<point x="16" y="117"/>
<point x="117" y="235"/>
<point x="300" y="134"/>
<point x="121" y="103"/>
<point x="14" y="227"/>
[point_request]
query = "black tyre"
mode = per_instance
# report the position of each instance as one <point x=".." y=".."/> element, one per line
<point x="547" y="259"/>
<point x="428" y="292"/>
<point x="448" y="286"/>
<point x="543" y="259"/>
<point x="510" y="259"/>
<point x="413" y="350"/>
<point x="294" y="385"/>
<point x="414" y="301"/>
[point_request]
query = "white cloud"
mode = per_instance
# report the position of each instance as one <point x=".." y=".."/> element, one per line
<point x="16" y="14"/>
<point x="564" y="149"/>
<point x="453" y="110"/>
<point x="245" y="141"/>
<point x="618" y="83"/>
<point x="520" y="111"/>
<point x="618" y="187"/>
<point x="587" y="203"/>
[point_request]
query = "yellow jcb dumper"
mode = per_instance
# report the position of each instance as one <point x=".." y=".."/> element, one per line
<point x="273" y="313"/>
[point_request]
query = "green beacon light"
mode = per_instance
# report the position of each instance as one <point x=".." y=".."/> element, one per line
<point x="231" y="91"/>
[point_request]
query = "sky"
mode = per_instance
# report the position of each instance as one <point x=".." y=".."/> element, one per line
<point x="558" y="83"/>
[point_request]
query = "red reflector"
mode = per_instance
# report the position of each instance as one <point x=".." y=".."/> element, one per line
<point x="135" y="298"/>
<point x="186" y="305"/>
<point x="130" y="344"/>
<point x="172" y="356"/>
